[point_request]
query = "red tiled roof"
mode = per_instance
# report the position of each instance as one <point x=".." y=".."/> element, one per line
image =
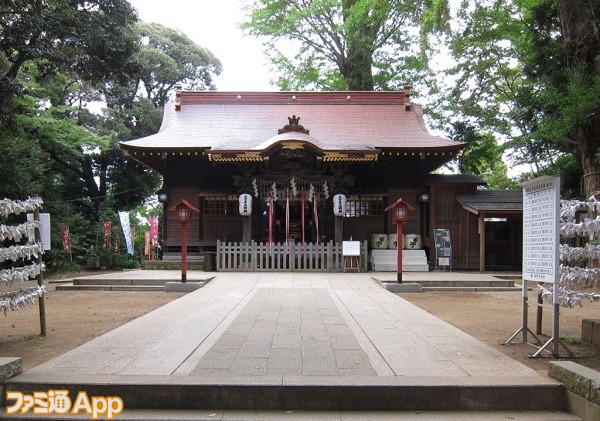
<point x="251" y="120"/>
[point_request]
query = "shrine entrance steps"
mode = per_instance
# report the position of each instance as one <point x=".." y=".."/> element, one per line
<point x="487" y="398"/>
<point x="133" y="280"/>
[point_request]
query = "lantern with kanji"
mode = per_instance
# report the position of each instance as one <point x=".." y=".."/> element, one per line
<point x="245" y="204"/>
<point x="339" y="204"/>
<point x="399" y="211"/>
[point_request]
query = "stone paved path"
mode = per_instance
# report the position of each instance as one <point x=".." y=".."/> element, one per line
<point x="282" y="324"/>
<point x="287" y="331"/>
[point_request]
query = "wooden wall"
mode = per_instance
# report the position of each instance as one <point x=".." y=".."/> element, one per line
<point x="446" y="213"/>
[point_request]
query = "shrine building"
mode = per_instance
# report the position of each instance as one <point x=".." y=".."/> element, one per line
<point x="264" y="168"/>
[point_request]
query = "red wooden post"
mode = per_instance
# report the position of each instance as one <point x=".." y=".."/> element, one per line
<point x="183" y="211"/>
<point x="400" y="214"/>
<point x="399" y="244"/>
<point x="184" y="252"/>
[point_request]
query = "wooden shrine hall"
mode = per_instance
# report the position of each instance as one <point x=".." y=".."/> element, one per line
<point x="297" y="173"/>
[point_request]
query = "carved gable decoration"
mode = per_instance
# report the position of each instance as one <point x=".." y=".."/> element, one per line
<point x="293" y="126"/>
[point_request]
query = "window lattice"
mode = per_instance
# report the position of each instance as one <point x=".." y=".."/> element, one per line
<point x="215" y="207"/>
<point x="356" y="208"/>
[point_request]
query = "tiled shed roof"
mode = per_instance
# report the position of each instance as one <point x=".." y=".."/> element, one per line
<point x="493" y="201"/>
<point x="351" y="121"/>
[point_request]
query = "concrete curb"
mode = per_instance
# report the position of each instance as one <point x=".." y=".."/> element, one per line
<point x="583" y="388"/>
<point x="410" y="287"/>
<point x="183" y="287"/>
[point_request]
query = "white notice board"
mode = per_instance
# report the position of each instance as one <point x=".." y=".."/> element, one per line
<point x="44" y="230"/>
<point x="351" y="248"/>
<point x="541" y="206"/>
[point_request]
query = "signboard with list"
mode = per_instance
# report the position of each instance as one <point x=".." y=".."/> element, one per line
<point x="443" y="247"/>
<point x="541" y="204"/>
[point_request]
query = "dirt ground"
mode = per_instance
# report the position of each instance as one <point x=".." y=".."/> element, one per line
<point x="72" y="319"/>
<point x="493" y="317"/>
<point x="75" y="317"/>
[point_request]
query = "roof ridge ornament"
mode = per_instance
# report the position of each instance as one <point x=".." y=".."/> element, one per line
<point x="293" y="126"/>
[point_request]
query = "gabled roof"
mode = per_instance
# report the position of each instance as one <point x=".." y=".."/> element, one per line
<point x="493" y="202"/>
<point x="367" y="123"/>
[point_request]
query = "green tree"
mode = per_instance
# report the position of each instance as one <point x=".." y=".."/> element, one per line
<point x="91" y="38"/>
<point x="482" y="156"/>
<point x="513" y="77"/>
<point x="168" y="57"/>
<point x="579" y="23"/>
<point x="346" y="44"/>
<point x="53" y="144"/>
<point x="134" y="109"/>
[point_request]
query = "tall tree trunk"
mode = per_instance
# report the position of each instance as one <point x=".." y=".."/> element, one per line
<point x="359" y="70"/>
<point x="582" y="40"/>
<point x="361" y="33"/>
<point x="588" y="138"/>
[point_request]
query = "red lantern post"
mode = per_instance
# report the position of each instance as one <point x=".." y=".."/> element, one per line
<point x="183" y="211"/>
<point x="400" y="211"/>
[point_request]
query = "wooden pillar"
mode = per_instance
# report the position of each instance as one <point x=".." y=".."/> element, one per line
<point x="339" y="229"/>
<point x="247" y="229"/>
<point x="467" y="240"/>
<point x="482" y="242"/>
<point x="40" y="277"/>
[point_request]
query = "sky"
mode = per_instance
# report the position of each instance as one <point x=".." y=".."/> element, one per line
<point x="214" y="24"/>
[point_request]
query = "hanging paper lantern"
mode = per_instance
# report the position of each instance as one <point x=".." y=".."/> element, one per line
<point x="339" y="204"/>
<point x="245" y="204"/>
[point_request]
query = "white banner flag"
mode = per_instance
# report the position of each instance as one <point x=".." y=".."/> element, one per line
<point x="126" y="226"/>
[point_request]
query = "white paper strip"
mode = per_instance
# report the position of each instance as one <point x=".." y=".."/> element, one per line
<point x="10" y="207"/>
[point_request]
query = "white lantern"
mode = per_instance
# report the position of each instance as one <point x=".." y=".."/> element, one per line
<point x="339" y="204"/>
<point x="245" y="204"/>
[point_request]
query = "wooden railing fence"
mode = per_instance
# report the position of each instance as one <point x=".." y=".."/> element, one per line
<point x="253" y="256"/>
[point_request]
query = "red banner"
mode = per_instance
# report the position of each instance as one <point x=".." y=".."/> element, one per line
<point x="302" y="198"/>
<point x="106" y="231"/>
<point x="287" y="220"/>
<point x="270" y="220"/>
<point x="146" y="243"/>
<point x="316" y="215"/>
<point x="66" y="238"/>
<point x="116" y="238"/>
<point x="154" y="231"/>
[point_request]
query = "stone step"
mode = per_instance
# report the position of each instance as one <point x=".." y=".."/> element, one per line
<point x="291" y="393"/>
<point x="119" y="281"/>
<point x="172" y="264"/>
<point x="100" y="287"/>
<point x="472" y="289"/>
<point x="457" y="285"/>
<point x="290" y="415"/>
<point x="177" y="256"/>
<point x="500" y="283"/>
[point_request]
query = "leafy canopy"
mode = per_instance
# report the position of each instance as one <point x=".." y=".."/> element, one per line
<point x="345" y="44"/>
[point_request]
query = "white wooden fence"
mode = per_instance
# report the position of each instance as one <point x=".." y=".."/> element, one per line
<point x="324" y="257"/>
